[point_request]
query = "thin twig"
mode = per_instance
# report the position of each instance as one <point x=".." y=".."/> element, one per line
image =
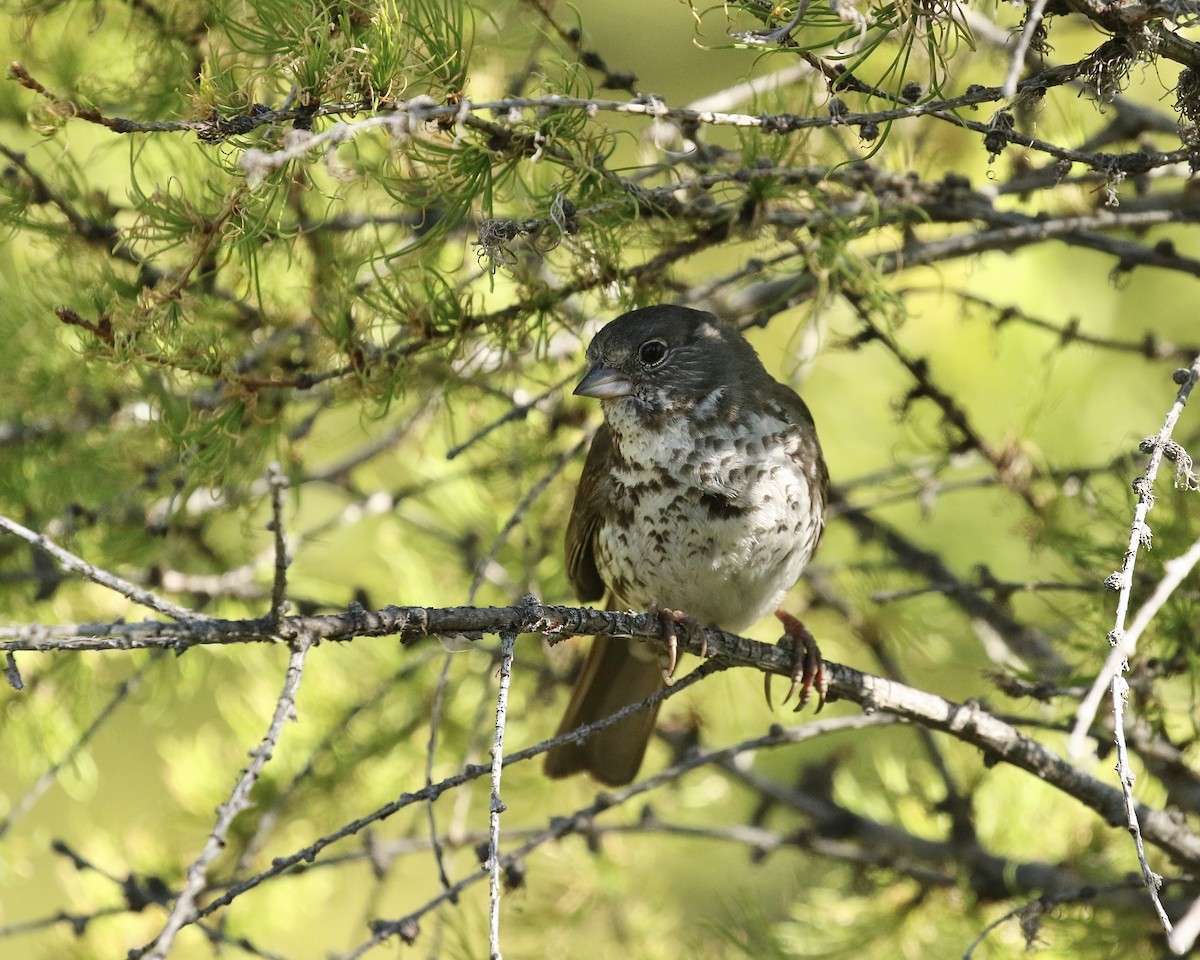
<point x="335" y="735"/>
<point x="405" y="118"/>
<point x="435" y="722"/>
<point x="1033" y="19"/>
<point x="69" y="561"/>
<point x="1015" y="635"/>
<point x="470" y="755"/>
<point x="1003" y="588"/>
<point x="518" y="411"/>
<point x="1139" y="536"/>
<point x="1151" y="346"/>
<point x="1174" y="572"/>
<point x="1010" y="468"/>
<point x="1029" y="912"/>
<point x="1187" y="929"/>
<point x="969" y="722"/>
<point x="496" y="806"/>
<point x="12" y="673"/>
<point x="561" y="826"/>
<point x="183" y="912"/>
<point x="278" y="482"/>
<point x="308" y="855"/>
<point x="522" y="508"/>
<point x="480" y="571"/>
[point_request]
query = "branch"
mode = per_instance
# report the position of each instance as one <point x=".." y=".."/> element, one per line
<point x="278" y="482"/>
<point x="1174" y="572"/>
<point x="969" y="722"/>
<point x="184" y="912"/>
<point x="1139" y="536"/>
<point x="1033" y="20"/>
<point x="408" y="927"/>
<point x="70" y="562"/>
<point x="1019" y="638"/>
<point x="49" y="777"/>
<point x="403" y="118"/>
<point x="496" y="806"/>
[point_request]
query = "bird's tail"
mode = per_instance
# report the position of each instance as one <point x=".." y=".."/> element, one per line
<point x="616" y="673"/>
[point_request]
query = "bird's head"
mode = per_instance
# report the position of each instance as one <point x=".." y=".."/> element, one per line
<point x="666" y="360"/>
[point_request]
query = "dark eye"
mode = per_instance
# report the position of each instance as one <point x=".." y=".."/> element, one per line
<point x="652" y="352"/>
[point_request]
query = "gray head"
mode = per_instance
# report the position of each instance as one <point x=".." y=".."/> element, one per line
<point x="668" y="359"/>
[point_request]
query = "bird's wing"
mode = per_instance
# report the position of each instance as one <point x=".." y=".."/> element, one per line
<point x="591" y="505"/>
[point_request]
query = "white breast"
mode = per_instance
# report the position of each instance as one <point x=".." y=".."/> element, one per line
<point x="719" y="531"/>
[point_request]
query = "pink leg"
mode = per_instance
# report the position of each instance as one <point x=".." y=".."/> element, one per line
<point x="808" y="671"/>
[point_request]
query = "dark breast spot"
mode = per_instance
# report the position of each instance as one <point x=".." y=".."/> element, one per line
<point x="721" y="507"/>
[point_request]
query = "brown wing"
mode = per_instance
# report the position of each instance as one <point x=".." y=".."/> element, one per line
<point x="613" y="674"/>
<point x="591" y="502"/>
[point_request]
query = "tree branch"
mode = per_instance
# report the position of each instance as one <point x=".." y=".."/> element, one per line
<point x="969" y="722"/>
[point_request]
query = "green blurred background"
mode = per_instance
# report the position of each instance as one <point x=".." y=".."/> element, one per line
<point x="147" y="456"/>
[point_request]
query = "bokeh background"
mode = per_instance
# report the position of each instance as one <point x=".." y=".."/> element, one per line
<point x="176" y="317"/>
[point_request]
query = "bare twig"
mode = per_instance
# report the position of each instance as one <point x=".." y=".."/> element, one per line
<point x="1011" y="470"/>
<point x="404" y="118"/>
<point x="183" y="912"/>
<point x="1187" y="929"/>
<point x="518" y="411"/>
<point x="992" y="620"/>
<point x="1151" y="346"/>
<point x="335" y="734"/>
<point x="879" y="845"/>
<point x="453" y="645"/>
<point x="69" y="561"/>
<point x="522" y="508"/>
<point x="1033" y="20"/>
<point x="282" y="865"/>
<point x="1174" y="572"/>
<point x="12" y="673"/>
<point x="561" y="826"/>
<point x="968" y="722"/>
<point x="1139" y="536"/>
<point x="989" y="875"/>
<point x="435" y="723"/>
<point x="1030" y="913"/>
<point x="496" y="806"/>
<point x="278" y="482"/>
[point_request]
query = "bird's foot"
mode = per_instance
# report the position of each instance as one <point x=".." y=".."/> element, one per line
<point x="808" y="669"/>
<point x="670" y="620"/>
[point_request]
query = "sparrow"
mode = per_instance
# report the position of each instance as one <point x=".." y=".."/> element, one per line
<point x="702" y="497"/>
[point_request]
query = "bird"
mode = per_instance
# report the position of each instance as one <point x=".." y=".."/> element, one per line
<point x="702" y="497"/>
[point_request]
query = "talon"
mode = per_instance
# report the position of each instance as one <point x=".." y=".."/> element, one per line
<point x="668" y="671"/>
<point x="808" y="669"/>
<point x="793" y="685"/>
<point x="668" y="619"/>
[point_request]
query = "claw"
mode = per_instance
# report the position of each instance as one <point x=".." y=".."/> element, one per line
<point x="672" y="652"/>
<point x="669" y="619"/>
<point x="808" y="670"/>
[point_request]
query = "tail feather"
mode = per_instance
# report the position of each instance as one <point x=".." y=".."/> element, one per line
<point x="613" y="676"/>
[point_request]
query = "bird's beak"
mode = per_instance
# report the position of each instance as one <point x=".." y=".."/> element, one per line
<point x="604" y="383"/>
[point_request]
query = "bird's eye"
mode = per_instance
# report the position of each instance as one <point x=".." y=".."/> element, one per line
<point x="652" y="352"/>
